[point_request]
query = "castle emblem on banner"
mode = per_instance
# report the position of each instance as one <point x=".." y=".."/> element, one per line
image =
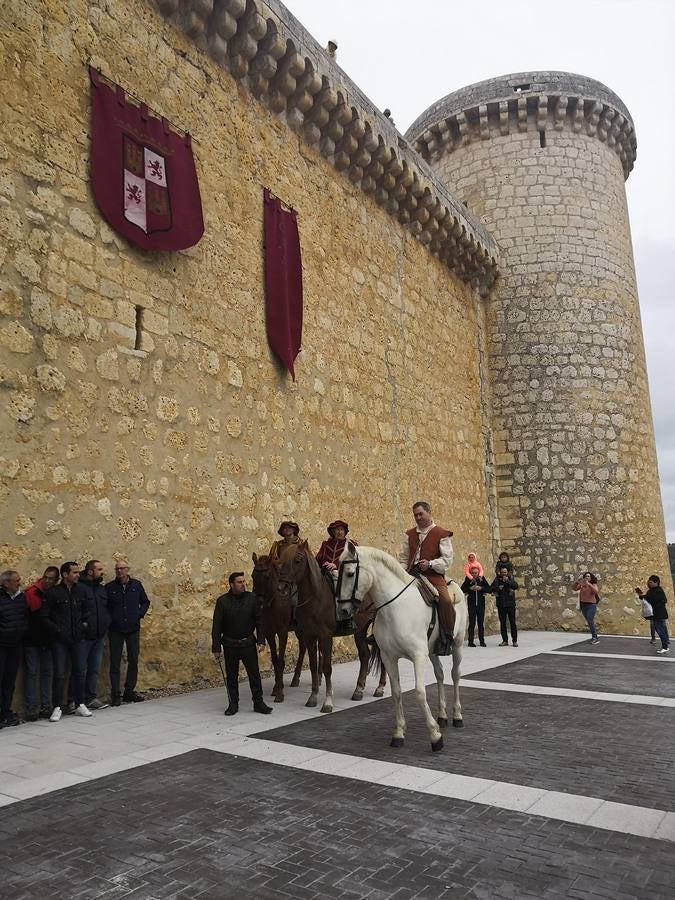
<point x="142" y="172"/>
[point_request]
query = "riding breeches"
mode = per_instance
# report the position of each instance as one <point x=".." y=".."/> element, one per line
<point x="446" y="609"/>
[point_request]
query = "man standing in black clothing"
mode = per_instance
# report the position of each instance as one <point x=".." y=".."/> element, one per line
<point x="504" y="588"/>
<point x="96" y="620"/>
<point x="127" y="604"/>
<point x="62" y="616"/>
<point x="13" y="626"/>
<point x="238" y="614"/>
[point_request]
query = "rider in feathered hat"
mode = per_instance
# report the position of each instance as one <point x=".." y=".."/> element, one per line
<point x="331" y="550"/>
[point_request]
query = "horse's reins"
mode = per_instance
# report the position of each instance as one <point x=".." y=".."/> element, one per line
<point x="356" y="584"/>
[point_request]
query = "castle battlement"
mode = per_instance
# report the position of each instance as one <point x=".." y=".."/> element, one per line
<point x="264" y="47"/>
<point x="526" y="101"/>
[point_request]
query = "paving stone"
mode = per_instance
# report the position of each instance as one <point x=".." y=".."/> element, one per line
<point x="614" y="676"/>
<point x="207" y="824"/>
<point x="544" y="742"/>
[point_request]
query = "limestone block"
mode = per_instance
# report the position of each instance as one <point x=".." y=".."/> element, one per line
<point x="69" y="322"/>
<point x="107" y="365"/>
<point x="21" y="406"/>
<point x="50" y="378"/>
<point x="16" y="338"/>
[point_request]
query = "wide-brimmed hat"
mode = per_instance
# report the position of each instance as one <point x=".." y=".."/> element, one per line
<point x="338" y="523"/>
<point x="293" y="525"/>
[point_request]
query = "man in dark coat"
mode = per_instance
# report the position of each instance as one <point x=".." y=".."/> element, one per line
<point x="127" y="605"/>
<point x="504" y="588"/>
<point x="96" y="622"/>
<point x="13" y="626"/>
<point x="475" y="588"/>
<point x="62" y="615"/>
<point x="237" y="628"/>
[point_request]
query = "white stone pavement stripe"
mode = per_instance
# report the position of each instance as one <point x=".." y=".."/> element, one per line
<point x="574" y="808"/>
<point x="662" y="658"/>
<point x="647" y="700"/>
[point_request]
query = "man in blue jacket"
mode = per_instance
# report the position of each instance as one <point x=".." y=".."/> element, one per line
<point x="127" y="604"/>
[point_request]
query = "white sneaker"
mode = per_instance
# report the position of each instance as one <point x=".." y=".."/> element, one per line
<point x="82" y="710"/>
<point x="663" y="650"/>
<point x="56" y="714"/>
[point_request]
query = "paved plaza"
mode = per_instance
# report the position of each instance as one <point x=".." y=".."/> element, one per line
<point x="560" y="785"/>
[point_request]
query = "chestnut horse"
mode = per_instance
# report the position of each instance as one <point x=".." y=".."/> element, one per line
<point x="315" y="614"/>
<point x="276" y="612"/>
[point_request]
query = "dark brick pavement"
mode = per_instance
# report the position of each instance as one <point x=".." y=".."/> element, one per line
<point x="210" y="825"/>
<point x="614" y="676"/>
<point x="614" y="644"/>
<point x="558" y="743"/>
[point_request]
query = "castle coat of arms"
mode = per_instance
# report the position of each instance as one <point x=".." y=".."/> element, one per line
<point x="142" y="172"/>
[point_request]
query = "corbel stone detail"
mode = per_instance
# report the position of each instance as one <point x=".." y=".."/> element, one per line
<point x="264" y="47"/>
<point x="451" y="123"/>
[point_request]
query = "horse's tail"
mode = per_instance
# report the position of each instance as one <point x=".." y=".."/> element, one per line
<point x="375" y="660"/>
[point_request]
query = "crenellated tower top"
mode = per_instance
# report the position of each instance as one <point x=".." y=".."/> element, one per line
<point x="526" y="101"/>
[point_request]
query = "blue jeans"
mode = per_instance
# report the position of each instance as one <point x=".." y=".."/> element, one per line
<point x="37" y="660"/>
<point x="588" y="612"/>
<point x="61" y="653"/>
<point x="661" y="629"/>
<point x="91" y="655"/>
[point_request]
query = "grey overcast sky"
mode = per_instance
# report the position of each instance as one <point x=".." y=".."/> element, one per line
<point x="406" y="55"/>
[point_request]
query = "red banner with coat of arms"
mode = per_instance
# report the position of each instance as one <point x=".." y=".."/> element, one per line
<point x="142" y="172"/>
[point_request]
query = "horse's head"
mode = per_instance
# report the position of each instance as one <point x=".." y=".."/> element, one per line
<point x="265" y="577"/>
<point x="354" y="581"/>
<point x="294" y="563"/>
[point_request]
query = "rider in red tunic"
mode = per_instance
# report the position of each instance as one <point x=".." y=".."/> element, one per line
<point x="332" y="549"/>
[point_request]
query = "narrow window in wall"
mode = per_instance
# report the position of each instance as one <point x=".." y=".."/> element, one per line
<point x="139" y="328"/>
<point x="542" y="138"/>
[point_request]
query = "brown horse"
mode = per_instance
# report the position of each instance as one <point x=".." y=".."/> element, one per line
<point x="276" y="610"/>
<point x="315" y="615"/>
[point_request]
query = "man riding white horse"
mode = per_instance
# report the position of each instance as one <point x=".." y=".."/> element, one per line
<point x="427" y="550"/>
<point x="328" y="559"/>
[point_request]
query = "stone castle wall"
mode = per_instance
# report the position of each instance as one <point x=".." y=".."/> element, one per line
<point x="184" y="454"/>
<point x="542" y="165"/>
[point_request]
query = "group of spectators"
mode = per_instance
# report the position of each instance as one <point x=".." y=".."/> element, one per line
<point x="503" y="586"/>
<point x="58" y="626"/>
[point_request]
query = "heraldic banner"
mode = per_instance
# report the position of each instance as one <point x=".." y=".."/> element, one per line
<point x="283" y="281"/>
<point x="142" y="173"/>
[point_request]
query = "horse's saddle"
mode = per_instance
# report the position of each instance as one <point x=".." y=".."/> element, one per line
<point x="428" y="591"/>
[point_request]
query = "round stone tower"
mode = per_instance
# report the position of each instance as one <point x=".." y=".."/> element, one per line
<point x="541" y="158"/>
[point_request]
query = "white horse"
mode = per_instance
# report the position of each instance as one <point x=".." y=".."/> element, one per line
<point x="401" y="629"/>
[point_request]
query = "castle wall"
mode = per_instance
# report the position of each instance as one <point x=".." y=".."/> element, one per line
<point x="185" y="454"/>
<point x="576" y="463"/>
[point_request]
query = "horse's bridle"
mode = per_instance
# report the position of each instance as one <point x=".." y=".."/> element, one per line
<point x="353" y="599"/>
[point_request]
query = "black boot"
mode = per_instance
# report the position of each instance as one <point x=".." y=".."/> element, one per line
<point x="115" y="699"/>
<point x="232" y="709"/>
<point x="260" y="706"/>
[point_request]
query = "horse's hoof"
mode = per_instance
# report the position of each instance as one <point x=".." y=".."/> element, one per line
<point x="379" y="692"/>
<point x="295" y="682"/>
<point x="397" y="742"/>
<point x="326" y="708"/>
<point x="457" y="723"/>
<point x="357" y="695"/>
<point x="442" y="722"/>
<point x="437" y="745"/>
<point x="311" y="702"/>
<point x="278" y="698"/>
<point x="273" y="692"/>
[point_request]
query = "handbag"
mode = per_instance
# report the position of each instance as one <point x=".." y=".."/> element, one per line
<point x="647" y="611"/>
<point x="578" y="604"/>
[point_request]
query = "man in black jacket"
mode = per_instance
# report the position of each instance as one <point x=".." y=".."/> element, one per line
<point x="96" y="620"/>
<point x="62" y="614"/>
<point x="13" y="625"/>
<point x="475" y="588"/>
<point x="504" y="588"/>
<point x="237" y="627"/>
<point x="127" y="605"/>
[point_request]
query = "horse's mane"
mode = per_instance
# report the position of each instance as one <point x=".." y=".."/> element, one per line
<point x="387" y="560"/>
<point x="314" y="570"/>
